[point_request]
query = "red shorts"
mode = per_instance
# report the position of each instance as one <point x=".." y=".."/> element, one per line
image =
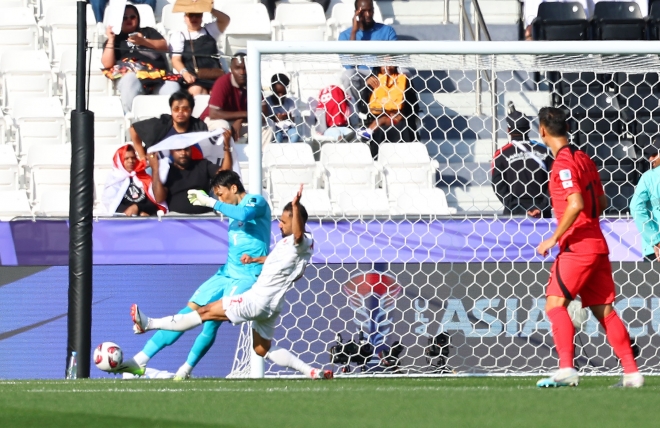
<point x="586" y="275"/>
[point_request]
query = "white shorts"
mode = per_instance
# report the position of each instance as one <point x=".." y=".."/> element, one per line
<point x="246" y="307"/>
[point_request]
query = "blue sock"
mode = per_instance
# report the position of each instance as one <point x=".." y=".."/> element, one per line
<point x="203" y="342"/>
<point x="163" y="338"/>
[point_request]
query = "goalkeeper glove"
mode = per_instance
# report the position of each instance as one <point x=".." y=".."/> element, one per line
<point x="199" y="198"/>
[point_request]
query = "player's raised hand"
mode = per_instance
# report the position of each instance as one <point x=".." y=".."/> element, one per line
<point x="298" y="197"/>
<point x="199" y="198"/>
<point x="546" y="245"/>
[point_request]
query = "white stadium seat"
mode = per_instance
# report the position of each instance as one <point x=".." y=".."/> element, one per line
<point x="171" y="22"/>
<point x="405" y="166"/>
<point x="99" y="85"/>
<point x="8" y="168"/>
<point x="288" y="166"/>
<point x="363" y="203"/>
<point x="38" y="121"/>
<point x="54" y="203"/>
<point x="147" y="106"/>
<point x="25" y="74"/>
<point x="60" y="30"/>
<point x="347" y="166"/>
<point x="14" y="203"/>
<point x="421" y="202"/>
<point x="109" y="122"/>
<point x="18" y="30"/>
<point x="49" y="169"/>
<point x="299" y="22"/>
<point x="248" y="22"/>
<point x="316" y="201"/>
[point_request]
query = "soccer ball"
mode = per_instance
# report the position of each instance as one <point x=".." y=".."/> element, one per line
<point x="108" y="356"/>
<point x="577" y="313"/>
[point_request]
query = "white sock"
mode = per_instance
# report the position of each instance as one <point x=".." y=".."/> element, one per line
<point x="141" y="358"/>
<point x="184" y="370"/>
<point x="178" y="322"/>
<point x="284" y="358"/>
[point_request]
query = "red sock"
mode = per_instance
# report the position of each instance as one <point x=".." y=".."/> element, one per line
<point x="618" y="337"/>
<point x="563" y="332"/>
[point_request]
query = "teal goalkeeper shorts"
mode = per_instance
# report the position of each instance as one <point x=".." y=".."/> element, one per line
<point x="219" y="286"/>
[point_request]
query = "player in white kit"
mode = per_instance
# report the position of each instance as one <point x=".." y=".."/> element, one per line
<point x="263" y="302"/>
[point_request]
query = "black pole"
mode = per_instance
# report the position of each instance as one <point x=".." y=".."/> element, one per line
<point x="80" y="213"/>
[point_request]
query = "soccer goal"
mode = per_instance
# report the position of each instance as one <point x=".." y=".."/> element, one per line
<point x="418" y="270"/>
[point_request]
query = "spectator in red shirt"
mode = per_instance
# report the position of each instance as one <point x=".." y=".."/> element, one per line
<point x="228" y="103"/>
<point x="582" y="267"/>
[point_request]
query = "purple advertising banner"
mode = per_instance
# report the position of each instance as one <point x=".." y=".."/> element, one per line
<point x="204" y="241"/>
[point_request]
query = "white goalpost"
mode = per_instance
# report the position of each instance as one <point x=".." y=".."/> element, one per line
<point x="417" y="268"/>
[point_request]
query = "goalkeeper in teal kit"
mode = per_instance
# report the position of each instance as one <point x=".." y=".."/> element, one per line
<point x="249" y="241"/>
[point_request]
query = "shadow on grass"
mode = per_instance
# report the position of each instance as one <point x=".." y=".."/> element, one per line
<point x="12" y="417"/>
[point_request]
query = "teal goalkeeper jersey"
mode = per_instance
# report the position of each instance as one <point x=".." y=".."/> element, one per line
<point x="645" y="209"/>
<point x="249" y="233"/>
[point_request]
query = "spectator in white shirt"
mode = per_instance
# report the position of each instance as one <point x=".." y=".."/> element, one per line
<point x="192" y="51"/>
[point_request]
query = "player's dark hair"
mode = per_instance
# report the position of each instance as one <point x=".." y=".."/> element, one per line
<point x="182" y="95"/>
<point x="288" y="208"/>
<point x="280" y="78"/>
<point x="554" y="121"/>
<point x="227" y="179"/>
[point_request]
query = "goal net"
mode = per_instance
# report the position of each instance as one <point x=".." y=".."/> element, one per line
<point x="422" y="265"/>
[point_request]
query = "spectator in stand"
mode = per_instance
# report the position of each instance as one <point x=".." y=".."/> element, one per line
<point x="135" y="57"/>
<point x="185" y="174"/>
<point x="98" y="7"/>
<point x="148" y="132"/>
<point x="521" y="171"/>
<point x="192" y="51"/>
<point x="390" y="108"/>
<point x="531" y="9"/>
<point x="332" y="113"/>
<point x="128" y="188"/>
<point x="228" y="103"/>
<point x="364" y="28"/>
<point x="282" y="111"/>
<point x="645" y="204"/>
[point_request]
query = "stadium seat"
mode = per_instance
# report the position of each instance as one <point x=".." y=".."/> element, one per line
<point x="423" y="202"/>
<point x="201" y="102"/>
<point x="248" y="22"/>
<point x="363" y="203"/>
<point x="18" y="30"/>
<point x="560" y="21"/>
<point x="299" y="22"/>
<point x="38" y="121"/>
<point x="14" y="203"/>
<point x="109" y="122"/>
<point x="60" y="30"/>
<point x="617" y="21"/>
<point x="316" y="201"/>
<point x="43" y="5"/>
<point x="147" y="106"/>
<point x="347" y="166"/>
<point x="287" y="166"/>
<point x="8" y="168"/>
<point x="406" y="166"/>
<point x="25" y="75"/>
<point x="48" y="169"/>
<point x="653" y="21"/>
<point x="54" y="203"/>
<point x="417" y="12"/>
<point x="99" y="85"/>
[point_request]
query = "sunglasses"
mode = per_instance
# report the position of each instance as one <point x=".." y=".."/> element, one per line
<point x="130" y="17"/>
<point x="181" y="109"/>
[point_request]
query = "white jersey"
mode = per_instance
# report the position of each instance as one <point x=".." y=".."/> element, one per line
<point x="283" y="266"/>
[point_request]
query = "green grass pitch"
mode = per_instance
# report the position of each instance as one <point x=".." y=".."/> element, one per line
<point x="341" y="403"/>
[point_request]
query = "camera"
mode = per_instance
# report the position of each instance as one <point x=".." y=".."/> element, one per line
<point x="353" y="352"/>
<point x="439" y="348"/>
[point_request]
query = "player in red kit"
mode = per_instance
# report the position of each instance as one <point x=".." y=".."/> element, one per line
<point x="582" y="267"/>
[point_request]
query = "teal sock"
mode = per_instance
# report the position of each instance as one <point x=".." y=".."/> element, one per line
<point x="163" y="338"/>
<point x="203" y="342"/>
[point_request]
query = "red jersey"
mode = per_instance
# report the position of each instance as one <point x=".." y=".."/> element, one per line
<point x="574" y="172"/>
<point x="333" y="100"/>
